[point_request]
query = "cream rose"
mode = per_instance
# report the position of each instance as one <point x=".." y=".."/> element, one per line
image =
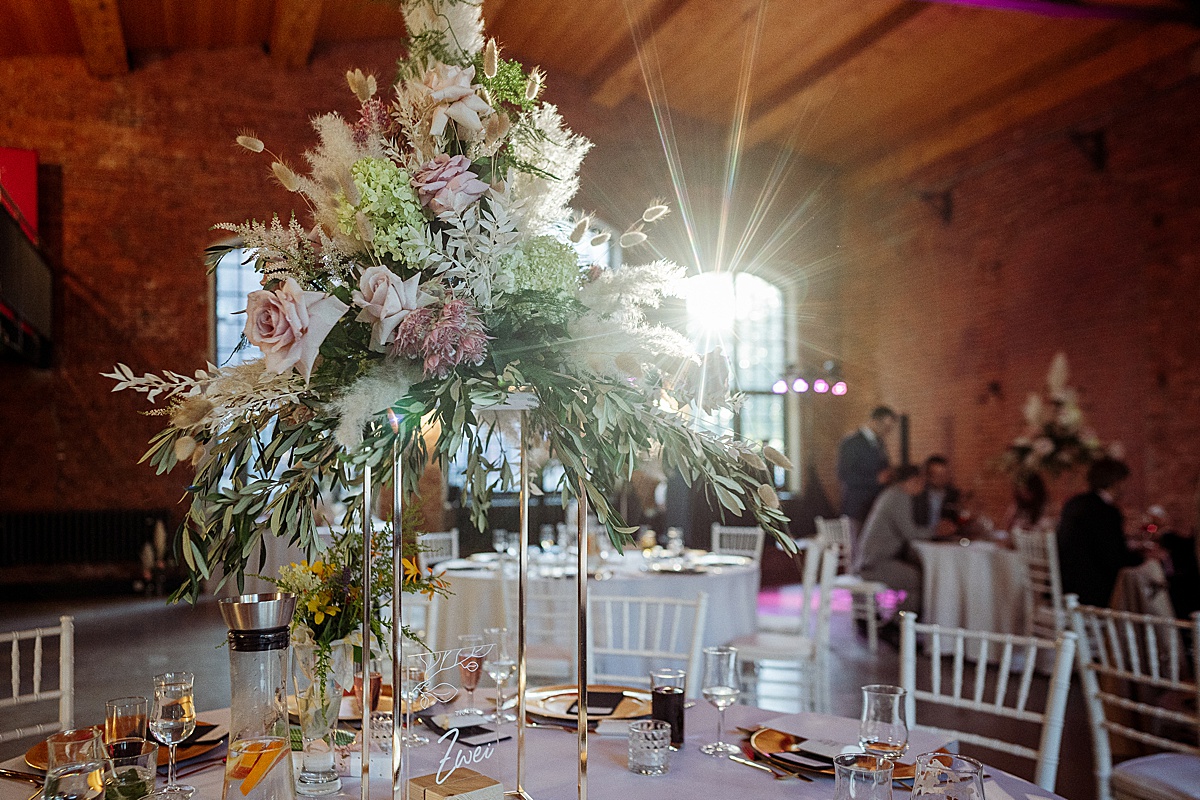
<point x="386" y="300"/>
<point x="289" y="324"/>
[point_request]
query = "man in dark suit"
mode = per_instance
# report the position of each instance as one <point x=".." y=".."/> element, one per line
<point x="1091" y="536"/>
<point x="937" y="506"/>
<point x="863" y="466"/>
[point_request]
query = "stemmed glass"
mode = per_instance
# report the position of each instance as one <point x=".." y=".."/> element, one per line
<point x="500" y="541"/>
<point x="173" y="719"/>
<point x="883" y="731"/>
<point x="470" y="665"/>
<point x="721" y="688"/>
<point x="411" y="676"/>
<point x="500" y="666"/>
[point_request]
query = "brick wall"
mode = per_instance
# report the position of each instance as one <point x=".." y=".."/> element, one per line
<point x="137" y="170"/>
<point x="1044" y="253"/>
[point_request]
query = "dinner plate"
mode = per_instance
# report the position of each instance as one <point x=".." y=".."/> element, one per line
<point x="37" y="756"/>
<point x="722" y="560"/>
<point x="459" y="565"/>
<point x="555" y="701"/>
<point x="768" y="743"/>
<point x="484" y="557"/>
<point x="350" y="713"/>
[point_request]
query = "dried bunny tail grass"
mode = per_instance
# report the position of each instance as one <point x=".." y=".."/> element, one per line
<point x="768" y="496"/>
<point x="600" y="239"/>
<point x="363" y="86"/>
<point x="777" y="458"/>
<point x="250" y="142"/>
<point x="286" y="177"/>
<point x="491" y="59"/>
<point x="580" y="229"/>
<point x="533" y="87"/>
<point x="657" y="210"/>
<point x="633" y="237"/>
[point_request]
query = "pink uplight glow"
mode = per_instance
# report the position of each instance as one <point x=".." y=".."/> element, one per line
<point x="799" y="386"/>
<point x="839" y="388"/>
<point x="820" y="386"/>
<point x="779" y="387"/>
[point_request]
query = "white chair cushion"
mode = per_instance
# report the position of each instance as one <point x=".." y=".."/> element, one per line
<point x="1162" y="776"/>
<point x="774" y="647"/>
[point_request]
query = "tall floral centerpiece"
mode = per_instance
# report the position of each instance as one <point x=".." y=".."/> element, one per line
<point x="1055" y="439"/>
<point x="436" y="275"/>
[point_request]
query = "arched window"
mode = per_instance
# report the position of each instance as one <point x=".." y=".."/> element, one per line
<point x="233" y="279"/>
<point x="743" y="314"/>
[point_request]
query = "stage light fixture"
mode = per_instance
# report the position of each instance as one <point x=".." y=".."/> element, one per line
<point x="820" y="386"/>
<point x="838" y="388"/>
<point x="799" y="386"/>
<point x="779" y="387"/>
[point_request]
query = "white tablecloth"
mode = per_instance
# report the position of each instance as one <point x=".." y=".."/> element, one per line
<point x="478" y="600"/>
<point x="980" y="587"/>
<point x="551" y="763"/>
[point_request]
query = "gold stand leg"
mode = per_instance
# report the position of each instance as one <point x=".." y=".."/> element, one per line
<point x="399" y="785"/>
<point x="368" y="530"/>
<point x="581" y="672"/>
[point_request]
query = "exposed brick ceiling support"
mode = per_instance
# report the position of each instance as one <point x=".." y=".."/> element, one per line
<point x="294" y="31"/>
<point x="99" y="25"/>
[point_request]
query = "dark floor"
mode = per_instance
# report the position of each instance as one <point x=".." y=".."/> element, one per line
<point x="122" y="642"/>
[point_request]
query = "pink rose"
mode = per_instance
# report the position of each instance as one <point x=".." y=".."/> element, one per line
<point x="385" y="300"/>
<point x="289" y="324"/>
<point x="447" y="184"/>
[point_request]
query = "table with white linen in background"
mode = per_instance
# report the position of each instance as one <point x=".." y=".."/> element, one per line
<point x="551" y="763"/>
<point x="478" y="597"/>
<point x="980" y="586"/>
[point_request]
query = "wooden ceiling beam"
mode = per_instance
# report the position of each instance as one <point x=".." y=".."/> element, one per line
<point x="99" y="26"/>
<point x="294" y="32"/>
<point x="1029" y="97"/>
<point x="778" y="99"/>
<point x="621" y="62"/>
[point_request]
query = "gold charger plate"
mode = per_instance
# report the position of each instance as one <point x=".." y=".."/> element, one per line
<point x="553" y="702"/>
<point x="349" y="711"/>
<point x="38" y="756"/>
<point x="768" y="742"/>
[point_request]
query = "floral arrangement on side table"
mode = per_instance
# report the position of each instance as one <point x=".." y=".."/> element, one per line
<point x="433" y="283"/>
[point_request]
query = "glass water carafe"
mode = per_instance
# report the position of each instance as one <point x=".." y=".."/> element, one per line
<point x="259" y="765"/>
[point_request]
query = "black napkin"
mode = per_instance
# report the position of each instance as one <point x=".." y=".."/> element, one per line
<point x="600" y="704"/>
<point x="469" y="735"/>
<point x="202" y="729"/>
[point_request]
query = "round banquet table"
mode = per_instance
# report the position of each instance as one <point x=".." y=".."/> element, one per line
<point x="478" y="598"/>
<point x="551" y="763"/>
<point x="980" y="587"/>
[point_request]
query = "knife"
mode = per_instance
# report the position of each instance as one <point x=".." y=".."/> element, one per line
<point x="27" y="777"/>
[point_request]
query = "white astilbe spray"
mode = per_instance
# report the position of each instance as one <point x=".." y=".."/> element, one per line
<point x="558" y="152"/>
<point x="458" y="23"/>
<point x="368" y="396"/>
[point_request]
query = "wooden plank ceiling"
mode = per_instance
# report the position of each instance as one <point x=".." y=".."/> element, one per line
<point x="877" y="88"/>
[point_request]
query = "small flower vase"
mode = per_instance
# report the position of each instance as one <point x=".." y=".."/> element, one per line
<point x="320" y="676"/>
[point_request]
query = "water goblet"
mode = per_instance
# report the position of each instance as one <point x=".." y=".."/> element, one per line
<point x="470" y="667"/>
<point x="500" y="667"/>
<point x="883" y="731"/>
<point x="948" y="776"/>
<point x="173" y="719"/>
<point x="129" y="773"/>
<point x="74" y="747"/>
<point x="81" y="780"/>
<point x="125" y="718"/>
<point x="720" y="688"/>
<point x="412" y="677"/>
<point x="859" y="776"/>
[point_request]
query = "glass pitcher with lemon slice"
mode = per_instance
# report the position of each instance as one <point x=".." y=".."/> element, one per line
<point x="259" y="766"/>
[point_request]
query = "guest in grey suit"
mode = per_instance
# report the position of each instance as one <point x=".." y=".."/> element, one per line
<point x="863" y="466"/>
<point x="886" y="554"/>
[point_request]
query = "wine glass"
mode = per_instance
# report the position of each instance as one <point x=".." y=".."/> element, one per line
<point x="173" y="719"/>
<point x="500" y="666"/>
<point x="720" y="687"/>
<point x="412" y="676"/>
<point x="883" y="731"/>
<point x="470" y="666"/>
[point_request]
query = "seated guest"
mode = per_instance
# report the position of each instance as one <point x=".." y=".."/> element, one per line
<point x="1183" y="572"/>
<point x="885" y="554"/>
<point x="1091" y="536"/>
<point x="1028" y="509"/>
<point x="937" y="506"/>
